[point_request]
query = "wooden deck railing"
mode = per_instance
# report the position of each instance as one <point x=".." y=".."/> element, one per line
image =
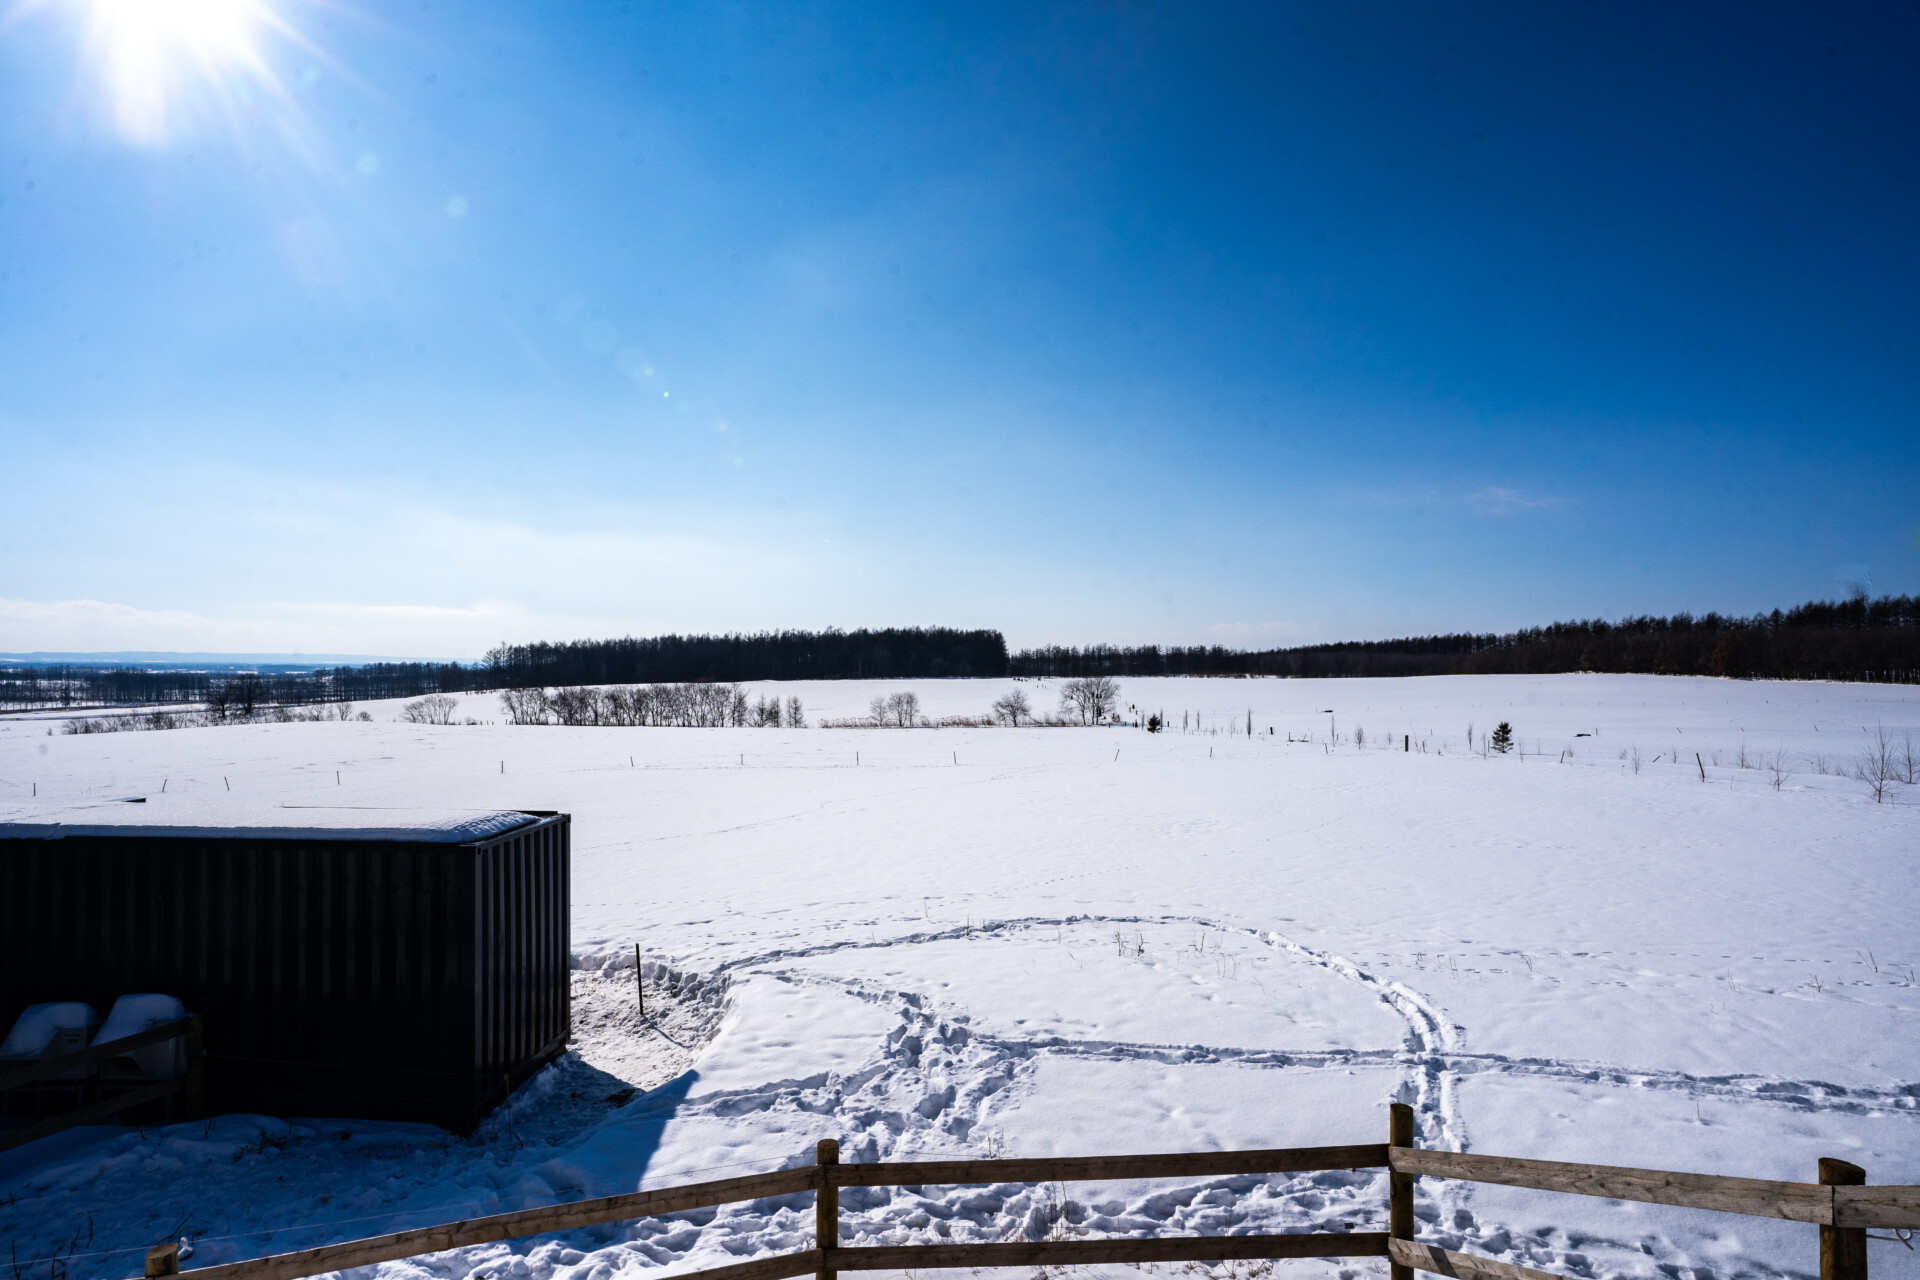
<point x="187" y="1085"/>
<point x="1839" y="1204"/>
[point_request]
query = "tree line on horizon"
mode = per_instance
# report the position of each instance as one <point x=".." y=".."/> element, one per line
<point x="892" y="653"/>
<point x="832" y="654"/>
<point x="1852" y="640"/>
<point x="1855" y="639"/>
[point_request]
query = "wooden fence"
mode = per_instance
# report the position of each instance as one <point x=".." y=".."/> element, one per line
<point x="1839" y="1204"/>
<point x="188" y="1086"/>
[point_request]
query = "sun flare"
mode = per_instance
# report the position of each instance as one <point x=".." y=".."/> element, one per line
<point x="162" y="57"/>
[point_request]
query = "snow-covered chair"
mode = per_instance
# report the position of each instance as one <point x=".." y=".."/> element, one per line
<point x="43" y="1031"/>
<point x="136" y="1013"/>
<point x="50" y="1030"/>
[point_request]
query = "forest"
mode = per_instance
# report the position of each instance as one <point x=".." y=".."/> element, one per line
<point x="1855" y="639"/>
<point x="893" y="653"/>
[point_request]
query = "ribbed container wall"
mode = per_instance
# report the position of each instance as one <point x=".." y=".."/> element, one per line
<point x="338" y="977"/>
<point x="522" y="956"/>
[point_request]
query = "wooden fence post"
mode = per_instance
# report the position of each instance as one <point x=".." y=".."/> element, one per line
<point x="1400" y="1187"/>
<point x="826" y="1206"/>
<point x="1843" y="1250"/>
<point x="163" y="1260"/>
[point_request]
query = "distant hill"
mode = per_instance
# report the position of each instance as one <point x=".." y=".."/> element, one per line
<point x="1857" y="639"/>
<point x="92" y="680"/>
<point x="223" y="661"/>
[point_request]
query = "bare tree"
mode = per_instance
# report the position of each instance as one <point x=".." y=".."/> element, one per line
<point x="250" y="690"/>
<point x="1011" y="708"/>
<point x="524" y="706"/>
<point x="904" y="709"/>
<point x="1875" y="766"/>
<point x="574" y="706"/>
<point x="1091" y="698"/>
<point x="796" y="714"/>
<point x="630" y="706"/>
<point x="879" y="709"/>
<point x="688" y="706"/>
<point x="435" y="708"/>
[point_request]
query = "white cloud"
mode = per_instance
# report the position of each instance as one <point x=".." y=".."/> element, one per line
<point x="341" y="573"/>
<point x="83" y="624"/>
<point x="1497" y="500"/>
<point x="1489" y="500"/>
<point x="1255" y="635"/>
<point x="89" y="626"/>
<point x="397" y="610"/>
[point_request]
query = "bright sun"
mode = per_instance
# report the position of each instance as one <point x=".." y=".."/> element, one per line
<point x="160" y="56"/>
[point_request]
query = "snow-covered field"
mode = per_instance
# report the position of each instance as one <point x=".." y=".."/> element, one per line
<point x="1054" y="941"/>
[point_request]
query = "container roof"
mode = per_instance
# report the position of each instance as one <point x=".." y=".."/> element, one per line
<point x="203" y="819"/>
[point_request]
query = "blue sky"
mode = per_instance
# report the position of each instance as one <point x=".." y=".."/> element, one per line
<point x="412" y="328"/>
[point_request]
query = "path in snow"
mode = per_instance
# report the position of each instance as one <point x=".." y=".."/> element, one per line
<point x="980" y="941"/>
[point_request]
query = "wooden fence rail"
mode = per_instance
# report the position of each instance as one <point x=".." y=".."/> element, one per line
<point x="1795" y="1201"/>
<point x="1839" y="1204"/>
<point x="1186" y="1164"/>
<point x="509" y="1226"/>
<point x="188" y="1086"/>
<point x="49" y="1068"/>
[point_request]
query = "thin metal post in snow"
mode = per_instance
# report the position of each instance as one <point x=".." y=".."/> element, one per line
<point x="639" y="980"/>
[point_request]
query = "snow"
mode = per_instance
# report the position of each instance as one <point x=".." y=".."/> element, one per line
<point x="36" y="1032"/>
<point x="133" y="1014"/>
<point x="201" y="817"/>
<point x="999" y="940"/>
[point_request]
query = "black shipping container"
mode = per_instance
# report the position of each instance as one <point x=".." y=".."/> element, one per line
<point x="409" y="971"/>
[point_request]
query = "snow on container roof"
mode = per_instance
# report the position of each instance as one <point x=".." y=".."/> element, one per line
<point x="212" y="820"/>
